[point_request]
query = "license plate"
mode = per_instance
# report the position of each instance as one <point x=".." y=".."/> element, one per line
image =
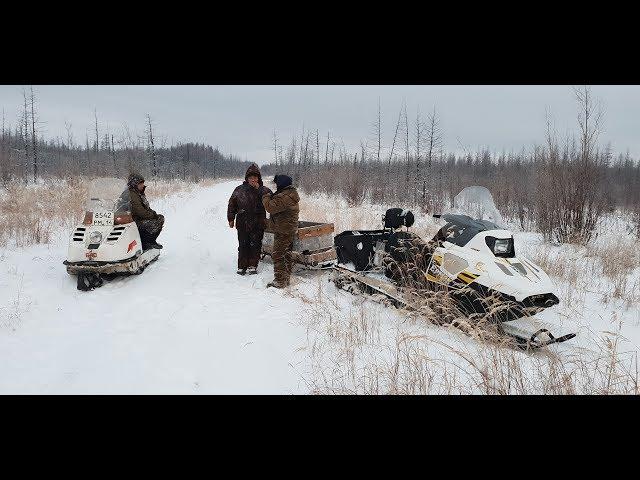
<point x="102" y="219"/>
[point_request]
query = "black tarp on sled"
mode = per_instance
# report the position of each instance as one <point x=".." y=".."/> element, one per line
<point x="358" y="247"/>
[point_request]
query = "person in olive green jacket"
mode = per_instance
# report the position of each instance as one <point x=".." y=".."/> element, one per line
<point x="148" y="221"/>
<point x="283" y="207"/>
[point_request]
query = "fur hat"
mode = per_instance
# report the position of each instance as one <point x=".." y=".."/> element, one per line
<point x="134" y="179"/>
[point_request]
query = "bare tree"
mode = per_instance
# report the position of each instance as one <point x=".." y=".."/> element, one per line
<point x="378" y="127"/>
<point x="434" y="136"/>
<point x="34" y="137"/>
<point x="317" y="157"/>
<point x="326" y="152"/>
<point x="406" y="148"/>
<point x="86" y="135"/>
<point x="152" y="148"/>
<point x="4" y="167"/>
<point x="67" y="126"/>
<point x="275" y="147"/>
<point x="113" y="155"/>
<point x="570" y="178"/>
<point x="97" y="145"/>
<point x="418" y="143"/>
<point x="393" y="145"/>
<point x="25" y="135"/>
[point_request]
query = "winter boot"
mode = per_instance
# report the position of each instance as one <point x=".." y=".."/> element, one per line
<point x="241" y="271"/>
<point x="252" y="270"/>
<point x="146" y="240"/>
<point x="276" y="284"/>
<point x="89" y="281"/>
<point x="153" y="243"/>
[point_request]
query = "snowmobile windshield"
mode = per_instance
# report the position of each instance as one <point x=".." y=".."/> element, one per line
<point x="477" y="203"/>
<point x="105" y="194"/>
<point x="473" y="211"/>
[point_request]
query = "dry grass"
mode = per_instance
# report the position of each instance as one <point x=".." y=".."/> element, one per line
<point x="617" y="261"/>
<point x="358" y="350"/>
<point x="367" y="350"/>
<point x="29" y="215"/>
<point x="322" y="208"/>
<point x="33" y="214"/>
<point x="606" y="268"/>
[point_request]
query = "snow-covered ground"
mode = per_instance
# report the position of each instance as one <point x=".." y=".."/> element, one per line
<point x="189" y="324"/>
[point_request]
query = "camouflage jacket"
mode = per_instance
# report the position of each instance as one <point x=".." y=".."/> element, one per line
<point x="284" y="209"/>
<point x="140" y="209"/>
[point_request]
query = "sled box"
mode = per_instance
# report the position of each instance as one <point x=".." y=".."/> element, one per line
<point x="312" y="245"/>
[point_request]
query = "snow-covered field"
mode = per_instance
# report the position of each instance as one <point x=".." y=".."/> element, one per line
<point x="189" y="324"/>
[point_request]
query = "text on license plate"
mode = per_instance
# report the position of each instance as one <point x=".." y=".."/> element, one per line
<point x="102" y="219"/>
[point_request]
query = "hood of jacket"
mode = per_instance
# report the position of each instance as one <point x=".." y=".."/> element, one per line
<point x="253" y="170"/>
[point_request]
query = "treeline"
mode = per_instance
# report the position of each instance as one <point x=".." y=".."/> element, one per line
<point x="25" y="155"/>
<point x="560" y="188"/>
<point x="187" y="161"/>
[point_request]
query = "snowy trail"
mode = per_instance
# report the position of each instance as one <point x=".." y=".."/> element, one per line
<point x="188" y="324"/>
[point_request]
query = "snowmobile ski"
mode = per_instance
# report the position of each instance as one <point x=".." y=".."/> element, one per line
<point x="525" y="339"/>
<point x="537" y="339"/>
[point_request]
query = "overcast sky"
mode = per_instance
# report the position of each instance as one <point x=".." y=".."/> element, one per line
<point x="240" y="119"/>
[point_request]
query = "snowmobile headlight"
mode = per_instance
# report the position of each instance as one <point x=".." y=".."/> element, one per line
<point x="501" y="246"/>
<point x="95" y="237"/>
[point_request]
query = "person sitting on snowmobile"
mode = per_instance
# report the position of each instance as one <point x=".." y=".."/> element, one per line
<point x="148" y="221"/>
<point x="245" y="210"/>
<point x="283" y="205"/>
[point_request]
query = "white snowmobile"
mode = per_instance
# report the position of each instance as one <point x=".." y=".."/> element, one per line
<point x="107" y="243"/>
<point x="474" y="260"/>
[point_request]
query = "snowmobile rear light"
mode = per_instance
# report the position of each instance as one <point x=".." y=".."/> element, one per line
<point x="123" y="219"/>
<point x="88" y="218"/>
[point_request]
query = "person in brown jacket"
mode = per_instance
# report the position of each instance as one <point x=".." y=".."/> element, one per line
<point x="283" y="206"/>
<point x="149" y="222"/>
<point x="246" y="212"/>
